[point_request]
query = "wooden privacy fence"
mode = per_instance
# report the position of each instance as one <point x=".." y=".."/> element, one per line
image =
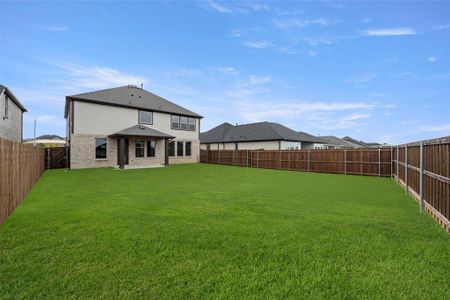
<point x="21" y="165"/>
<point x="375" y="162"/>
<point x="423" y="169"/>
<point x="56" y="157"/>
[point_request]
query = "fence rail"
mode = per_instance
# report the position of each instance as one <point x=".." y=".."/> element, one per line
<point x="374" y="162"/>
<point x="423" y="169"/>
<point x="21" y="165"/>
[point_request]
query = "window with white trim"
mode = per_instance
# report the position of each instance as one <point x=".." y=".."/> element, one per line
<point x="175" y="122"/>
<point x="180" y="146"/>
<point x="145" y="117"/>
<point x="139" y="148"/>
<point x="183" y="123"/>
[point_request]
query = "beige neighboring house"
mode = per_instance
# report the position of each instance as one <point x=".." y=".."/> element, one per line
<point x="257" y="136"/>
<point x="11" y="116"/>
<point x="128" y="126"/>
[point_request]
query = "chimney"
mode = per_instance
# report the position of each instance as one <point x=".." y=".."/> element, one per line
<point x="142" y="86"/>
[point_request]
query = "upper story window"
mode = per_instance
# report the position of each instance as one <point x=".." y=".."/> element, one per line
<point x="175" y="122"/>
<point x="145" y="117"/>
<point x="192" y="124"/>
<point x="182" y="123"/>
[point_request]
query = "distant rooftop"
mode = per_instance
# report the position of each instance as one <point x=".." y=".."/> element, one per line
<point x="262" y="131"/>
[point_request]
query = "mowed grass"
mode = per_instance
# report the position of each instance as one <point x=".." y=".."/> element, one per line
<point x="209" y="231"/>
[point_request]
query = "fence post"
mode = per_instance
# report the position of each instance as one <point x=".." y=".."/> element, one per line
<point x="280" y="159"/>
<point x="257" y="158"/>
<point x="379" y="162"/>
<point x="397" y="168"/>
<point x="48" y="158"/>
<point x="406" y="168"/>
<point x="289" y="160"/>
<point x="309" y="158"/>
<point x="345" y="161"/>
<point x="392" y="161"/>
<point x="421" y="177"/>
<point x="218" y="155"/>
<point x="247" y="159"/>
<point x="234" y="154"/>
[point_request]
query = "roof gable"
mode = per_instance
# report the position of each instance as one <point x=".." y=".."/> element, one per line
<point x="5" y="89"/>
<point x="132" y="97"/>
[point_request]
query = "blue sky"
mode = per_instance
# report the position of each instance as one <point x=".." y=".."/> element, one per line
<point x="377" y="71"/>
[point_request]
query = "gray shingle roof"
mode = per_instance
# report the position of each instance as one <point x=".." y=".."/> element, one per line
<point x="352" y="140"/>
<point x="140" y="130"/>
<point x="12" y="97"/>
<point x="335" y="141"/>
<point x="263" y="131"/>
<point x="131" y="96"/>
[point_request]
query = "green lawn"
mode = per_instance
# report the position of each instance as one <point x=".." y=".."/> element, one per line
<point x="209" y="231"/>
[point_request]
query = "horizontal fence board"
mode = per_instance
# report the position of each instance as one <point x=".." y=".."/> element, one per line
<point x="21" y="165"/>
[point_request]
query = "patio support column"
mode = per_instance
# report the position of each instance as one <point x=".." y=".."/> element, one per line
<point x="166" y="152"/>
<point x="121" y="152"/>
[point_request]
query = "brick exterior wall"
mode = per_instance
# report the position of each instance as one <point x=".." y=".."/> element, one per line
<point x="82" y="152"/>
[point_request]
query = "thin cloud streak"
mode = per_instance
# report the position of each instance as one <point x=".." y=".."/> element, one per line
<point x="390" y="32"/>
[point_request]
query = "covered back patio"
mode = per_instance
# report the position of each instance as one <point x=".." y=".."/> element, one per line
<point x="151" y="147"/>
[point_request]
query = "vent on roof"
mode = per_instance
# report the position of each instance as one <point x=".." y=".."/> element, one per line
<point x="141" y="127"/>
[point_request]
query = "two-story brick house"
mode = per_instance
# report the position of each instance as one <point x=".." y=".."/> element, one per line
<point x="129" y="126"/>
<point x="11" y="116"/>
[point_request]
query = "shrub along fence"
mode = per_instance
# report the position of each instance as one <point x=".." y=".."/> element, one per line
<point x="423" y="169"/>
<point x="375" y="162"/>
<point x="21" y="165"/>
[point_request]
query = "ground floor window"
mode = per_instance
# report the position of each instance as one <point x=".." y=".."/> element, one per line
<point x="139" y="148"/>
<point x="100" y="148"/>
<point x="171" y="148"/>
<point x="188" y="149"/>
<point x="180" y="146"/>
<point x="151" y="148"/>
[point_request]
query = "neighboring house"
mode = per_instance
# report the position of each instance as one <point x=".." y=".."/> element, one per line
<point x="263" y="135"/>
<point x="129" y="126"/>
<point x="352" y="140"/>
<point x="11" y="116"/>
<point x="333" y="142"/>
<point x="47" y="141"/>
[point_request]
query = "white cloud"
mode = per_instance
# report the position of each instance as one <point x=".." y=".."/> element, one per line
<point x="317" y="41"/>
<point x="390" y="31"/>
<point x="185" y="72"/>
<point x="219" y="7"/>
<point x="56" y="28"/>
<point x="258" y="44"/>
<point x="253" y="110"/>
<point x="96" y="77"/>
<point x="236" y="7"/>
<point x="290" y="12"/>
<point x="47" y="119"/>
<point x="362" y="79"/>
<point x="432" y="59"/>
<point x="253" y="79"/>
<point x="444" y="128"/>
<point x="230" y="71"/>
<point x="296" y="22"/>
<point x="440" y="27"/>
